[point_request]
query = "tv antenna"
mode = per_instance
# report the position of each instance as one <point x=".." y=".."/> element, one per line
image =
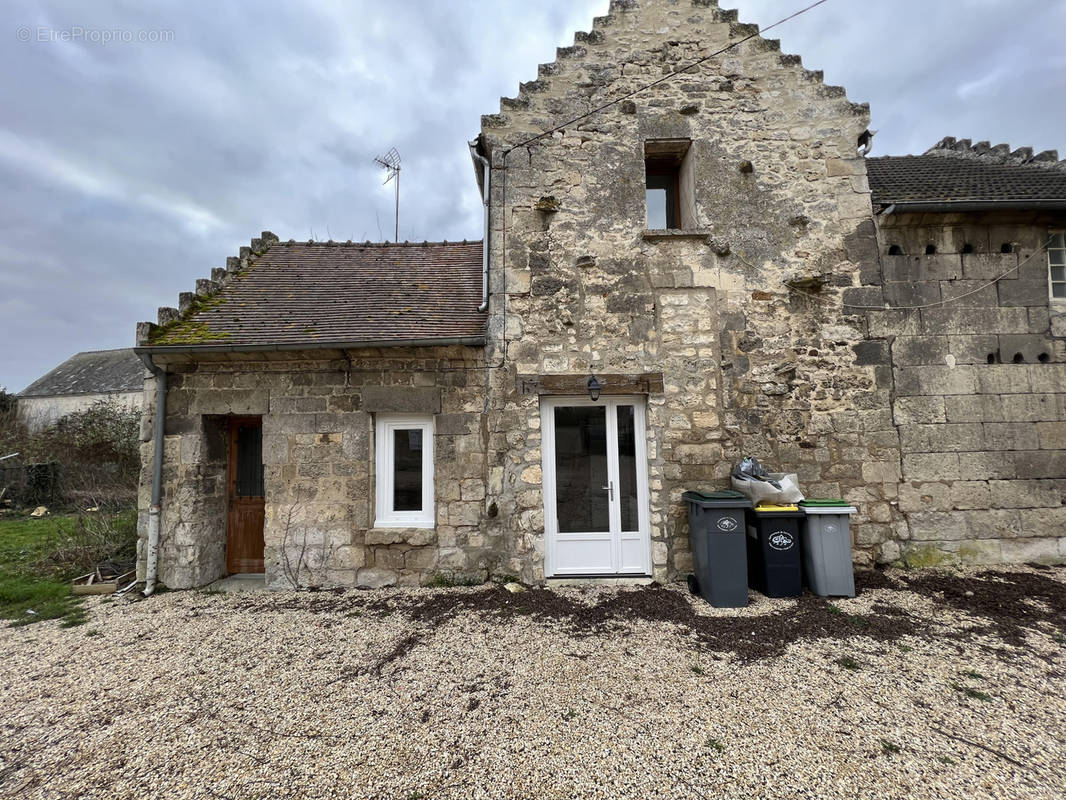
<point x="391" y="162"/>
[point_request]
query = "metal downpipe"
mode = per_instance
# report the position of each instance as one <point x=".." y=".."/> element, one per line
<point x="486" y="185"/>
<point x="154" y="509"/>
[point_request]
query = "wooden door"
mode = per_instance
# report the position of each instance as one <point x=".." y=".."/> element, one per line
<point x="244" y="490"/>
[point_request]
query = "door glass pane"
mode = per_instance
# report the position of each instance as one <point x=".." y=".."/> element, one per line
<point x="1056" y="257"/>
<point x="1058" y="274"/>
<point x="249" y="461"/>
<point x="627" y="469"/>
<point x="1058" y="290"/>
<point x="581" y="469"/>
<point x="407" y="469"/>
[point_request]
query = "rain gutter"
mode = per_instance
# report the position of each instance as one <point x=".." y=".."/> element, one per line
<point x="949" y="206"/>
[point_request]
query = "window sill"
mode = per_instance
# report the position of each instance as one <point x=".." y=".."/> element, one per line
<point x="389" y="534"/>
<point x="414" y="524"/>
<point x="677" y="234"/>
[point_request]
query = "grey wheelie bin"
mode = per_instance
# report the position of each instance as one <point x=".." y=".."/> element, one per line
<point x="827" y="547"/>
<point x="719" y="555"/>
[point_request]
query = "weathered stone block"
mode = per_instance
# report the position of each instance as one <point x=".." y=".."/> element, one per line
<point x="969" y="494"/>
<point x="932" y="466"/>
<point x="932" y="380"/>
<point x="1023" y="292"/>
<point x="987" y="466"/>
<point x="936" y="526"/>
<point x="919" y="350"/>
<point x="941" y="438"/>
<point x="1028" y="494"/>
<point x="924" y="497"/>
<point x="401" y="399"/>
<point x="1002" y="379"/>
<point x="912" y="293"/>
<point x="1010" y="436"/>
<point x="1047" y="378"/>
<point x="375" y="578"/>
<point x="1040" y="464"/>
<point x="921" y="409"/>
<point x="1043" y="522"/>
<point x="1040" y="551"/>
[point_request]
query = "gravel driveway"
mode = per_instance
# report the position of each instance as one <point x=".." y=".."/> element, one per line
<point x="929" y="684"/>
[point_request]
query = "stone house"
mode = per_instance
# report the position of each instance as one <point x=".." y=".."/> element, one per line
<point x="84" y="379"/>
<point x="697" y="272"/>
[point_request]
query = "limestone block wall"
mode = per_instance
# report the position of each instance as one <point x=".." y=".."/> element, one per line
<point x="979" y="379"/>
<point x="318" y="454"/>
<point x="741" y="312"/>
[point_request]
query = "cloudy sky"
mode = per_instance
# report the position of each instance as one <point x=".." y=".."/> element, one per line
<point x="129" y="168"/>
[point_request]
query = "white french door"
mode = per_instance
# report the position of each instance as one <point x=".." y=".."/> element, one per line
<point x="595" y="485"/>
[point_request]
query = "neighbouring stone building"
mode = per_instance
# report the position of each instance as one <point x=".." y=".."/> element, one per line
<point x="695" y="273"/>
<point x="84" y="379"/>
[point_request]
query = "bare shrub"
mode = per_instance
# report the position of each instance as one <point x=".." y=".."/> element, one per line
<point x="88" y="541"/>
<point x="97" y="451"/>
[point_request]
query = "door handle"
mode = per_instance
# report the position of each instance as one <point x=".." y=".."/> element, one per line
<point x="610" y="489"/>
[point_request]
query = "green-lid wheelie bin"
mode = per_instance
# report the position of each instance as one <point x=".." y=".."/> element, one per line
<point x="717" y="537"/>
<point x="827" y="547"/>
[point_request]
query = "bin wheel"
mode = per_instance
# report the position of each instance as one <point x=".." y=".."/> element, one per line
<point x="693" y="584"/>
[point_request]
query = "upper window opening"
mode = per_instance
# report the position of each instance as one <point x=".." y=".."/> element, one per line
<point x="668" y="185"/>
<point x="930" y="249"/>
<point x="1056" y="259"/>
<point x="895" y="250"/>
<point x="404" y="462"/>
<point x="967" y="248"/>
<point x="1006" y="247"/>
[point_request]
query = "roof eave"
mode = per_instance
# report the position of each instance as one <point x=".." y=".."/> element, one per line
<point x="950" y="206"/>
<point x="180" y="349"/>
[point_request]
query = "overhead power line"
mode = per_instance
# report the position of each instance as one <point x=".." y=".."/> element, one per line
<point x="663" y="79"/>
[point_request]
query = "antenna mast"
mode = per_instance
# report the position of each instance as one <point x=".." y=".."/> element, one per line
<point x="391" y="162"/>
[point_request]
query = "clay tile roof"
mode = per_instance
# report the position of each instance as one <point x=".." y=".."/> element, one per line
<point x="956" y="171"/>
<point x="92" y="372"/>
<point x="328" y="293"/>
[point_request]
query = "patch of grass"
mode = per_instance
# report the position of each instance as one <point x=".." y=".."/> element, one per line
<point x="973" y="694"/>
<point x="356" y="613"/>
<point x="93" y="632"/>
<point x="890" y="748"/>
<point x="25" y="600"/>
<point x="570" y="714"/>
<point x="715" y="745"/>
<point x="906" y="648"/>
<point x="210" y="591"/>
<point x="697" y="669"/>
<point x="847" y="662"/>
<point x="945" y="760"/>
<point x="971" y="673"/>
<point x="39" y="557"/>
<point x="833" y="608"/>
<point x="449" y="580"/>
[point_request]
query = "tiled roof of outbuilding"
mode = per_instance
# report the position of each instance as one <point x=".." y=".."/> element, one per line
<point x="325" y="293"/>
<point x="956" y="171"/>
<point x="92" y="372"/>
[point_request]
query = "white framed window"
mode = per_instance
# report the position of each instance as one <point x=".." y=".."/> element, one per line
<point x="404" y="462"/>
<point x="1056" y="261"/>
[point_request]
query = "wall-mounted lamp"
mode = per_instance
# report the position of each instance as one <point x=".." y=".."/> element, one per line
<point x="594" y="388"/>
